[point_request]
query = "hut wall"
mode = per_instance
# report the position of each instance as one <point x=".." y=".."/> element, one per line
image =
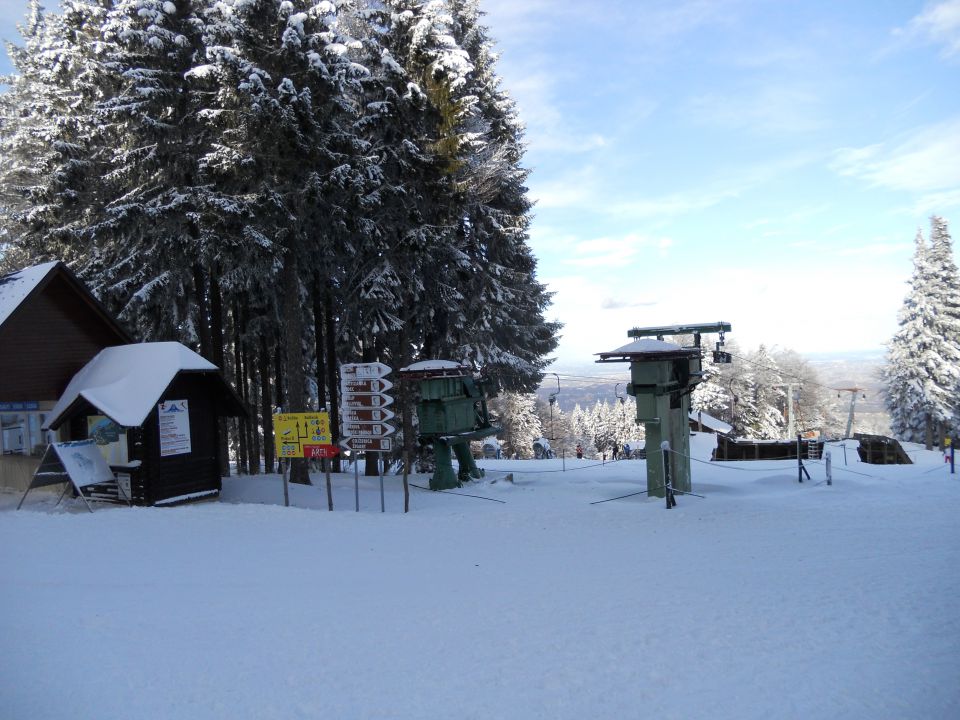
<point x="198" y="471"/>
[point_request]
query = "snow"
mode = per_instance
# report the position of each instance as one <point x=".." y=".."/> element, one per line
<point x="125" y="382"/>
<point x="710" y="422"/>
<point x="645" y="345"/>
<point x="15" y="287"/>
<point x="427" y="365"/>
<point x="767" y="599"/>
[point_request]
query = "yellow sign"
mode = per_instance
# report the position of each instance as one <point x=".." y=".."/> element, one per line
<point x="296" y="435"/>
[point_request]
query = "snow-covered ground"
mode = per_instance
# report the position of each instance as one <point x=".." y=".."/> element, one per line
<point x="767" y="599"/>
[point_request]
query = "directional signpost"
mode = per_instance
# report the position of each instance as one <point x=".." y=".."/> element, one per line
<point x="364" y="416"/>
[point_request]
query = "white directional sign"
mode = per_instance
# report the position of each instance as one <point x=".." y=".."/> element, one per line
<point x="359" y="371"/>
<point x="363" y="395"/>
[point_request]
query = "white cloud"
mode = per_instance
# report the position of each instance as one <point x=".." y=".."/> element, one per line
<point x="616" y="253"/>
<point x="939" y="24"/>
<point x="926" y="160"/>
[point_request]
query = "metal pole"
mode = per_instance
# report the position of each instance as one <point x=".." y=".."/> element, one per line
<point x="563" y="458"/>
<point x="356" y="480"/>
<point x="951" y="459"/>
<point x="799" y="461"/>
<point x="380" y="466"/>
<point x="844" y="446"/>
<point x="286" y="484"/>
<point x="668" y="487"/>
<point x="326" y="468"/>
<point x="829" y="469"/>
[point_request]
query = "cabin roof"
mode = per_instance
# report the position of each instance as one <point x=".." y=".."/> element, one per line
<point x="126" y="382"/>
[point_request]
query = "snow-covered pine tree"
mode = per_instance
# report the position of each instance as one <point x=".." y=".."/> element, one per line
<point x="504" y="327"/>
<point x="945" y="298"/>
<point x="150" y="256"/>
<point x="903" y="376"/>
<point x="768" y="395"/>
<point x="280" y="110"/>
<point x="709" y="395"/>
<point x="920" y="376"/>
<point x="49" y="173"/>
<point x="516" y="414"/>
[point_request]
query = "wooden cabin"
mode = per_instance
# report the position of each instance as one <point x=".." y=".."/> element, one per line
<point x="51" y="325"/>
<point x="155" y="408"/>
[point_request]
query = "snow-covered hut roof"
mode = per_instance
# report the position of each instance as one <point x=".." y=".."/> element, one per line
<point x="435" y="368"/>
<point x="647" y="348"/>
<point x="432" y="365"/>
<point x="711" y="423"/>
<point x="125" y="382"/>
<point x="15" y="287"/>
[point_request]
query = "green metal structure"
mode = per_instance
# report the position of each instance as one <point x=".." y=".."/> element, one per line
<point x="452" y="411"/>
<point x="662" y="376"/>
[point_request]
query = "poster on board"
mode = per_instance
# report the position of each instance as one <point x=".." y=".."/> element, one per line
<point x="174" y="428"/>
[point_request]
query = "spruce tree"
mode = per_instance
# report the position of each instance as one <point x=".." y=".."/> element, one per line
<point x="923" y="357"/>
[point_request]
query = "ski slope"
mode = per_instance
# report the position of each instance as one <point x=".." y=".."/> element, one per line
<point x="765" y="599"/>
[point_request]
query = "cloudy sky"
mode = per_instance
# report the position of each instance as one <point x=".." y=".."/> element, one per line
<point x="762" y="162"/>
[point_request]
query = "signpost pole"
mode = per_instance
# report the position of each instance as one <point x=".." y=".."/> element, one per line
<point x="286" y="484"/>
<point x="380" y="465"/>
<point x="356" y="479"/>
<point x="326" y="467"/>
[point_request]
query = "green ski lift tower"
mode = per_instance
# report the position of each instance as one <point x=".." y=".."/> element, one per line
<point x="662" y="376"/>
<point x="452" y="411"/>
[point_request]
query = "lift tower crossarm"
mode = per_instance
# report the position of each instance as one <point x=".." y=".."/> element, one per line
<point x="660" y="332"/>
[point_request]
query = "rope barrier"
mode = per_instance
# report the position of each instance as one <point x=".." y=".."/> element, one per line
<point x="451" y="492"/>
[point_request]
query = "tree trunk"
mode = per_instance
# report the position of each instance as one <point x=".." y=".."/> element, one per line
<point x="242" y="461"/>
<point x="266" y="405"/>
<point x="320" y="349"/>
<point x="330" y="336"/>
<point x="251" y="383"/>
<point x="293" y="345"/>
<point x="217" y="350"/>
<point x="929" y="431"/>
<point x="203" y="323"/>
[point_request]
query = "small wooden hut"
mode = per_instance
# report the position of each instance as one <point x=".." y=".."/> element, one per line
<point x="155" y="406"/>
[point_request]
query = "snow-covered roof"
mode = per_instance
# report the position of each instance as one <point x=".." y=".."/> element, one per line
<point x="125" y="382"/>
<point x="15" y="287"/>
<point x="433" y="365"/>
<point x="711" y="423"/>
<point x="647" y="345"/>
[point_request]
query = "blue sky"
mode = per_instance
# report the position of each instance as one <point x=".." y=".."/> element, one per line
<point x="761" y="162"/>
<point x="765" y="163"/>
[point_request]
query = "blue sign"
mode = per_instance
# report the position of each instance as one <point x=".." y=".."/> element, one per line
<point x="19" y="406"/>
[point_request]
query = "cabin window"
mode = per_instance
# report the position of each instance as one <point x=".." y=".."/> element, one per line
<point x="23" y="433"/>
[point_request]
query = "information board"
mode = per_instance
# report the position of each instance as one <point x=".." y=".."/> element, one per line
<point x="174" y="428"/>
<point x="303" y="435"/>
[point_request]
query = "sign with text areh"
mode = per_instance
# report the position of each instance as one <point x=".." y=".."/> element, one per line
<point x="174" y="428"/>
<point x="303" y="435"/>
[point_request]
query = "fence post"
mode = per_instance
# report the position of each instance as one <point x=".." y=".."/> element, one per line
<point x="829" y="469"/>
